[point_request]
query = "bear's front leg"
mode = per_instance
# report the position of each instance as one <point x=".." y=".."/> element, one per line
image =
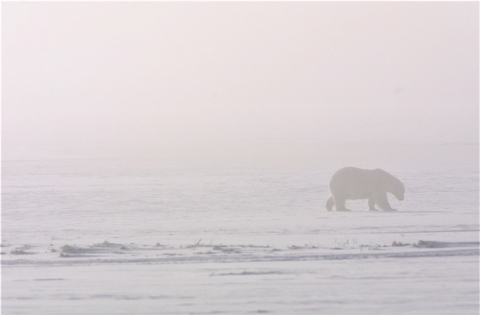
<point x="380" y="198"/>
<point x="371" y="204"/>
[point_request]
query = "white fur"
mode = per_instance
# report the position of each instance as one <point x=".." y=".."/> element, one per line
<point x="355" y="183"/>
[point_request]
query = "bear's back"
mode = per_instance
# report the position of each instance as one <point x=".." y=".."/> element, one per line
<point x="351" y="182"/>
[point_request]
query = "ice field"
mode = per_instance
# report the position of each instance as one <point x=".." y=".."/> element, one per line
<point x="107" y="237"/>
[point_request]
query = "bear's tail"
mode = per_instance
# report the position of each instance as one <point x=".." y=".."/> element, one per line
<point x="330" y="203"/>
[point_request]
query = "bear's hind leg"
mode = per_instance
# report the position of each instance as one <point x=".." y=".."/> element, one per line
<point x="330" y="203"/>
<point x="340" y="203"/>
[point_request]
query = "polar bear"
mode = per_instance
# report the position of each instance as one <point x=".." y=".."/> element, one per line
<point x="357" y="183"/>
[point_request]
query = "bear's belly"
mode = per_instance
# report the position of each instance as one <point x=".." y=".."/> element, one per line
<point x="358" y="195"/>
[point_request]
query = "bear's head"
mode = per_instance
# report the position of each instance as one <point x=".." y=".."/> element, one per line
<point x="390" y="183"/>
<point x="396" y="187"/>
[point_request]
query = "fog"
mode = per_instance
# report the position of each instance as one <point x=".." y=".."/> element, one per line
<point x="233" y="82"/>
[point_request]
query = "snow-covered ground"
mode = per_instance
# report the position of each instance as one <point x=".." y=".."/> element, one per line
<point x="115" y="238"/>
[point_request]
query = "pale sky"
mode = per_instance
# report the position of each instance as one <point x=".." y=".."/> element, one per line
<point x="155" y="79"/>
